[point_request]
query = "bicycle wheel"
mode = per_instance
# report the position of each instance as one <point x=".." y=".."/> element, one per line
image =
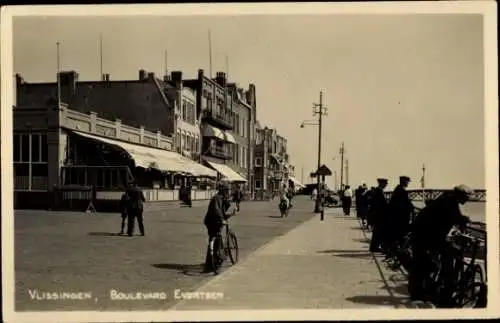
<point x="470" y="292"/>
<point x="217" y="258"/>
<point x="232" y="247"/>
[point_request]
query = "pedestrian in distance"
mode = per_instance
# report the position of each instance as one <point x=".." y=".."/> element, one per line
<point x="123" y="212"/>
<point x="378" y="210"/>
<point x="347" y="200"/>
<point x="429" y="231"/>
<point x="135" y="208"/>
<point x="314" y="194"/>
<point x="237" y="197"/>
<point x="358" y="194"/>
<point x="215" y="218"/>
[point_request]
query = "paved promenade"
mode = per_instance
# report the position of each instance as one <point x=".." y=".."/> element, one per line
<point x="318" y="265"/>
<point x="80" y="252"/>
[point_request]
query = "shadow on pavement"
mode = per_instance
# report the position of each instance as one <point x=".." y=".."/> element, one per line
<point x="342" y="251"/>
<point x="355" y="255"/>
<point x="188" y="270"/>
<point x="362" y="240"/>
<point x="274" y="216"/>
<point x="106" y="234"/>
<point x="378" y="300"/>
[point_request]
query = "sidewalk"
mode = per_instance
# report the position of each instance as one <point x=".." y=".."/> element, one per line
<point x="319" y="265"/>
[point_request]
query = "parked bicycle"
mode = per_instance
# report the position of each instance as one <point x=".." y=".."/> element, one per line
<point x="469" y="289"/>
<point x="224" y="245"/>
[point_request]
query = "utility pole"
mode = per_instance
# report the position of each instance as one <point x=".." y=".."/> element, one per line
<point x="342" y="166"/>
<point x="346" y="171"/>
<point x="302" y="175"/>
<point x="319" y="110"/>
<point x="100" y="56"/>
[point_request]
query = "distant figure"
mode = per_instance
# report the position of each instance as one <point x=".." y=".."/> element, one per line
<point x="347" y="200"/>
<point x="314" y="194"/>
<point x="135" y="208"/>
<point x="360" y="191"/>
<point x="378" y="210"/>
<point x="237" y="197"/>
<point x="123" y="211"/>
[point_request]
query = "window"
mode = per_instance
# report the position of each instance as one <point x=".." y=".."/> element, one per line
<point x="183" y="143"/>
<point x="197" y="144"/>
<point x="258" y="184"/>
<point x="184" y="110"/>
<point x="31" y="167"/>
<point x="258" y="162"/>
<point x="241" y="157"/>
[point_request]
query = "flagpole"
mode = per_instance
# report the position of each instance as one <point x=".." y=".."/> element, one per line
<point x="423" y="183"/>
<point x="58" y="77"/>
<point x="100" y="55"/>
<point x="210" y="51"/>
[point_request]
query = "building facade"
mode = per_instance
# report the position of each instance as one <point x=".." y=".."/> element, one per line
<point x="215" y="107"/>
<point x="243" y="132"/>
<point x="62" y="143"/>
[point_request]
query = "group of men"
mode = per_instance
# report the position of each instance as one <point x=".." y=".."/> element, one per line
<point x="391" y="220"/>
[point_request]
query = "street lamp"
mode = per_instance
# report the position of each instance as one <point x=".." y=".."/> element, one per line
<point x="319" y="110"/>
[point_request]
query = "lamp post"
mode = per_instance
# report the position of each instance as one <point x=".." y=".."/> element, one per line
<point x="318" y="110"/>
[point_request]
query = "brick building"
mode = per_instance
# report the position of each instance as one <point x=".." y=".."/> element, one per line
<point x="101" y="134"/>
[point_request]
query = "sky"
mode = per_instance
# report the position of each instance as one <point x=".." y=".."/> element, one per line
<point x="401" y="90"/>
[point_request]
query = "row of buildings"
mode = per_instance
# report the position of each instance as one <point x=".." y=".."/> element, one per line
<point x="86" y="140"/>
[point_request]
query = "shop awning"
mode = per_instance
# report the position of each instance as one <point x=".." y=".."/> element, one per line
<point x="276" y="157"/>
<point x="227" y="172"/>
<point x="296" y="182"/>
<point x="229" y="137"/>
<point x="211" y="131"/>
<point x="149" y="157"/>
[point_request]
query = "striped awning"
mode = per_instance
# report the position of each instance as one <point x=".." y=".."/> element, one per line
<point x="150" y="157"/>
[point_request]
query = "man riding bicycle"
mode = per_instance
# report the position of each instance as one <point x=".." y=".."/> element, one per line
<point x="429" y="232"/>
<point x="215" y="218"/>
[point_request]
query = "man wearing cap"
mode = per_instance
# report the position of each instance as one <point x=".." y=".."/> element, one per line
<point x="378" y="211"/>
<point x="401" y="209"/>
<point x="429" y="231"/>
<point x="215" y="218"/>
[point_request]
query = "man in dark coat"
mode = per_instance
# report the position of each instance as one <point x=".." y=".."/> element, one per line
<point x="215" y="218"/>
<point x="358" y="196"/>
<point x="429" y="231"/>
<point x="237" y="197"/>
<point x="401" y="209"/>
<point x="135" y="208"/>
<point x="378" y="210"/>
<point x="123" y="211"/>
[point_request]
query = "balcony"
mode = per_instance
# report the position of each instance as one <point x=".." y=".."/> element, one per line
<point x="219" y="119"/>
<point x="219" y="152"/>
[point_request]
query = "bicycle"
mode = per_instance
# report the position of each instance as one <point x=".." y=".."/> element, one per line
<point x="470" y="285"/>
<point x="223" y="246"/>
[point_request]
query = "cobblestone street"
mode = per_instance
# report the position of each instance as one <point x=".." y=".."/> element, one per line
<point x="79" y="252"/>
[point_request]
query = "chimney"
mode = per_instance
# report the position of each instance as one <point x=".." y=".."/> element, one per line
<point x="201" y="73"/>
<point x="151" y="76"/>
<point x="220" y="78"/>
<point x="142" y="75"/>
<point x="19" y="90"/>
<point x="68" y="81"/>
<point x="176" y="77"/>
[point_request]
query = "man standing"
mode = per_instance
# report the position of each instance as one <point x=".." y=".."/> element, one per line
<point x="358" y="196"/>
<point x="347" y="200"/>
<point x="378" y="210"/>
<point x="401" y="209"/>
<point x="429" y="232"/>
<point x="237" y="197"/>
<point x="135" y="208"/>
<point x="215" y="219"/>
